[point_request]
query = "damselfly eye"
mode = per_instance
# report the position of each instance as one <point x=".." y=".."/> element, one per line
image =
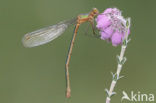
<point x="95" y="11"/>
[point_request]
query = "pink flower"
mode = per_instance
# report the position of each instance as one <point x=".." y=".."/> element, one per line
<point x="112" y="26"/>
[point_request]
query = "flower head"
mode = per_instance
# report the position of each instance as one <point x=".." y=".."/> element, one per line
<point x="112" y="26"/>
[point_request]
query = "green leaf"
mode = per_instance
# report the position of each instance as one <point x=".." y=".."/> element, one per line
<point x="118" y="59"/>
<point x="107" y="92"/>
<point x="123" y="60"/>
<point x="113" y="93"/>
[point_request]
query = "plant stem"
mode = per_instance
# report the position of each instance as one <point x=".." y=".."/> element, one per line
<point x="121" y="60"/>
<point x="119" y="67"/>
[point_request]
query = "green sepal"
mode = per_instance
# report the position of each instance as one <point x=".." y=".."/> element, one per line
<point x="128" y="22"/>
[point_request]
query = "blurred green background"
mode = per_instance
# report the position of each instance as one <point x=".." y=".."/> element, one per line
<point x="36" y="75"/>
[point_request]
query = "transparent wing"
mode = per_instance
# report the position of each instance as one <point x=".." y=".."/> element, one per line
<point x="47" y="34"/>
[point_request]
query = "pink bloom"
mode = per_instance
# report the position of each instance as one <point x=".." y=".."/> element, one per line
<point x="103" y="22"/>
<point x="107" y="33"/>
<point x="112" y="26"/>
<point x="116" y="38"/>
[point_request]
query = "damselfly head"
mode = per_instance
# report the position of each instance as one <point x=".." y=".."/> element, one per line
<point x="95" y="11"/>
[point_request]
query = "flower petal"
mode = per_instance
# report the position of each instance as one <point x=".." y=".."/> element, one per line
<point x="107" y="33"/>
<point x="109" y="30"/>
<point x="112" y="11"/>
<point x="112" y="26"/>
<point x="116" y="38"/>
<point x="103" y="22"/>
<point x="108" y="10"/>
<point x="105" y="36"/>
<point x="116" y="11"/>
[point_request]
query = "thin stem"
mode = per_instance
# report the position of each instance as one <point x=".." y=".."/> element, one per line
<point x="119" y="67"/>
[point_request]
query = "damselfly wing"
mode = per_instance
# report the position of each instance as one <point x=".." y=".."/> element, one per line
<point x="47" y="34"/>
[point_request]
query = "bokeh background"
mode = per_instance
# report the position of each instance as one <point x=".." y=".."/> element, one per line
<point x="36" y="75"/>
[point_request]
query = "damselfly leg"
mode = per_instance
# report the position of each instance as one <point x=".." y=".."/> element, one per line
<point x="47" y="34"/>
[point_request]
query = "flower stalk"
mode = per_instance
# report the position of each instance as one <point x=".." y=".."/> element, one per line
<point x="121" y="60"/>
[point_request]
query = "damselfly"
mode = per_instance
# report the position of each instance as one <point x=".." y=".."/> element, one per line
<point x="47" y="34"/>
